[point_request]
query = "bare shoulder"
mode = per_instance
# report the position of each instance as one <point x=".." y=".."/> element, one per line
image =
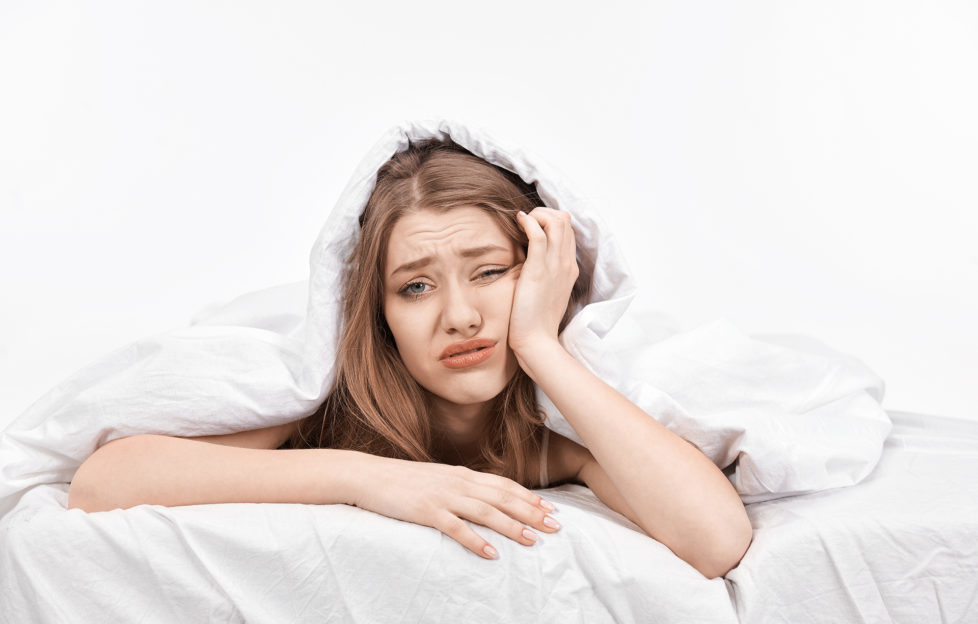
<point x="565" y="460"/>
<point x="266" y="438"/>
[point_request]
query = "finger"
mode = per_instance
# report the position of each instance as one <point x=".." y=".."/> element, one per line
<point x="487" y="515"/>
<point x="513" y="497"/>
<point x="571" y="240"/>
<point x="504" y="483"/>
<point x="548" y="218"/>
<point x="455" y="528"/>
<point x="564" y="235"/>
<point x="544" y="210"/>
<point x="536" y="248"/>
<point x="564" y="239"/>
<point x="527" y="512"/>
<point x="564" y="247"/>
<point x="556" y="226"/>
<point x="570" y="253"/>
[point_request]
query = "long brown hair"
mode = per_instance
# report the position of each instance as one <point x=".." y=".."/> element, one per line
<point x="375" y="405"/>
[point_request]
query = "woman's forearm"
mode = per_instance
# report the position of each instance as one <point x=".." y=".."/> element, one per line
<point x="164" y="470"/>
<point x="677" y="494"/>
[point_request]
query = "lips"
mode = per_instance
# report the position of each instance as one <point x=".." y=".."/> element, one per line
<point x="465" y="346"/>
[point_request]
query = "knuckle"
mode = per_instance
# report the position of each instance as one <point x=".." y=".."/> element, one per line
<point x="503" y="483"/>
<point x="482" y="478"/>
<point x="453" y="526"/>
<point x="459" y="475"/>
<point x="507" y="497"/>
<point x="441" y="522"/>
<point x="515" y="530"/>
<point x="456" y="528"/>
<point x="538" y="517"/>
<point x="483" y="509"/>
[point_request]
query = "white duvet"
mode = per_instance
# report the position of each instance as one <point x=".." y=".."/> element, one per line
<point x="306" y="563"/>
<point x="783" y="419"/>
<point x="900" y="546"/>
<point x="897" y="547"/>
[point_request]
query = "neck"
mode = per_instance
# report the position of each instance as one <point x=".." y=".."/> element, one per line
<point x="458" y="430"/>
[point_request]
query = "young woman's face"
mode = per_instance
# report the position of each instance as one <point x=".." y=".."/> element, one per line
<point x="461" y="291"/>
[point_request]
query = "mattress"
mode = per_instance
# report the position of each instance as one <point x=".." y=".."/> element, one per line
<point x="335" y="563"/>
<point x="898" y="547"/>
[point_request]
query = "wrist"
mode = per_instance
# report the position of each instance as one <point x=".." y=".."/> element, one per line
<point x="536" y="356"/>
<point x="347" y="475"/>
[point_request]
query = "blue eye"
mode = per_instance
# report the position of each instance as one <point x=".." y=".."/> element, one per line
<point x="416" y="290"/>
<point x="410" y="289"/>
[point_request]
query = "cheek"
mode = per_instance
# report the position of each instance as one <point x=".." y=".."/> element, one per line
<point x="395" y="322"/>
<point x="405" y="324"/>
<point x="502" y="298"/>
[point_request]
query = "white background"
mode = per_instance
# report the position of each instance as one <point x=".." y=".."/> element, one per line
<point x="794" y="167"/>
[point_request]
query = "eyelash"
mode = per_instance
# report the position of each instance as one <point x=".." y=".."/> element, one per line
<point x="404" y="290"/>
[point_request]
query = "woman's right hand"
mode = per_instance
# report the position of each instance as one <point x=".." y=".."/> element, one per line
<point x="441" y="496"/>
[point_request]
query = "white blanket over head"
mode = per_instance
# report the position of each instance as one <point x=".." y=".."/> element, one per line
<point x="794" y="420"/>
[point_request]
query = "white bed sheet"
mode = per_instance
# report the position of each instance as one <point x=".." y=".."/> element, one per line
<point x="900" y="546"/>
<point x="305" y="563"/>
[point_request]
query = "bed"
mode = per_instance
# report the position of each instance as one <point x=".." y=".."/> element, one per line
<point x="858" y="514"/>
<point x="901" y="546"/>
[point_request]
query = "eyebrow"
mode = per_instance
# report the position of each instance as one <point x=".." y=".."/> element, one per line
<point x="473" y="252"/>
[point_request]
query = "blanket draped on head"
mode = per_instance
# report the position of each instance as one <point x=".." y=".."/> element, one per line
<point x="784" y="419"/>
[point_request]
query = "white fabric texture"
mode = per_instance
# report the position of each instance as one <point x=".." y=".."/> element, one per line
<point x="793" y="420"/>
<point x="900" y="546"/>
<point x="897" y="547"/>
<point x="275" y="563"/>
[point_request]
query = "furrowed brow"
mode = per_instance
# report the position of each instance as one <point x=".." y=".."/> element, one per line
<point x="473" y="252"/>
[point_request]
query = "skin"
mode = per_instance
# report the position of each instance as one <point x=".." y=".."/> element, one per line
<point x="637" y="467"/>
<point x="452" y="299"/>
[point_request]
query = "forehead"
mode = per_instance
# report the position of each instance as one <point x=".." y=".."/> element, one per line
<point x="427" y="232"/>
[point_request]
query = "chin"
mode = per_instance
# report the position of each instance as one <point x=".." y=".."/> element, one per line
<point x="468" y="387"/>
<point x="469" y="391"/>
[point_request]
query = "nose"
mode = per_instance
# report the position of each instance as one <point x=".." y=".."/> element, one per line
<point x="461" y="314"/>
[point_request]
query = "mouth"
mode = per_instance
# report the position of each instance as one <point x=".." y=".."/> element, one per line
<point x="469" y="357"/>
<point x="467" y="348"/>
<point x="467" y="352"/>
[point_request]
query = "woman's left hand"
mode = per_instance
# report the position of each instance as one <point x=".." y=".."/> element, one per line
<point x="546" y="279"/>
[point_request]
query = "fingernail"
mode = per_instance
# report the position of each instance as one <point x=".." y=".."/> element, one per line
<point x="530" y="535"/>
<point x="522" y="213"/>
<point x="550" y="522"/>
<point x="547" y="505"/>
<point x="489" y="550"/>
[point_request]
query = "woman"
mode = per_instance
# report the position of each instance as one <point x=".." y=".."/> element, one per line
<point x="454" y="296"/>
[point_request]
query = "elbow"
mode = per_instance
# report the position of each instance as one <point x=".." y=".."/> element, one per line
<point x="78" y="496"/>
<point x="726" y="552"/>
<point x="94" y="476"/>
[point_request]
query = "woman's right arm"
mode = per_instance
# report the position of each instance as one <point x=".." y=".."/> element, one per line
<point x="171" y="471"/>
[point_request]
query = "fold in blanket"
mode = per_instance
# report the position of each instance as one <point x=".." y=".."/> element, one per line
<point x="785" y="420"/>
